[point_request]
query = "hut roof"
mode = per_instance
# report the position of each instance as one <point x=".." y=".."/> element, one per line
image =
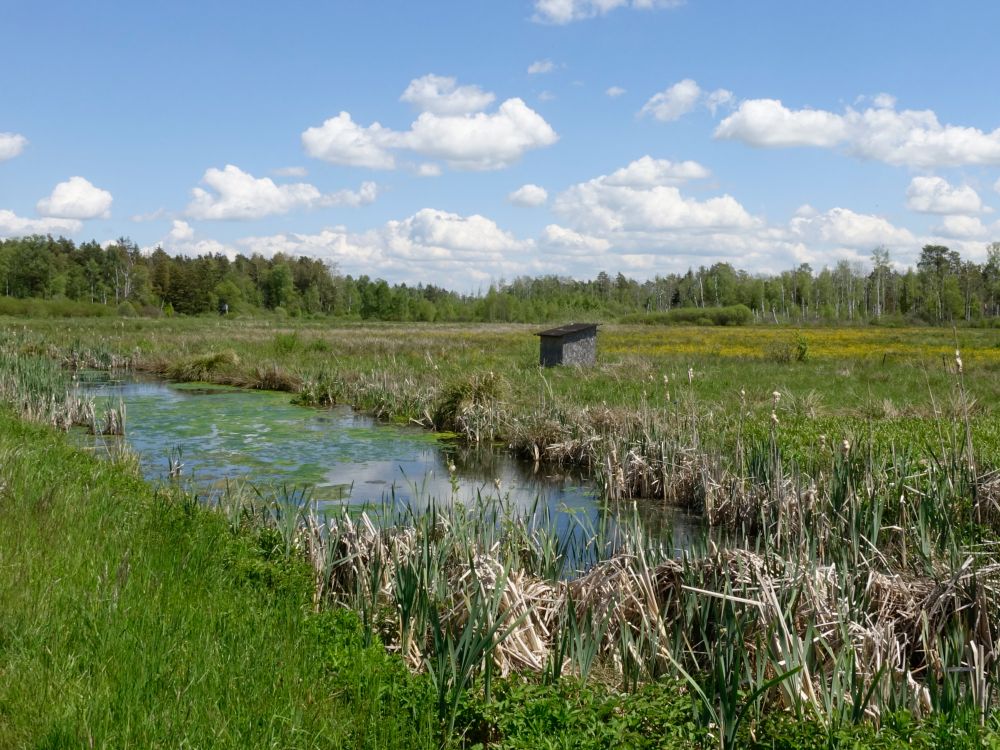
<point x="568" y="329"/>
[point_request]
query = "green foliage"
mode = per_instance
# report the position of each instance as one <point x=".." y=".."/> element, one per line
<point x="466" y="393"/>
<point x="286" y="343"/>
<point x="570" y="714"/>
<point x="325" y="389"/>
<point x="734" y="315"/>
<point x="153" y="559"/>
<point x="943" y="289"/>
<point x="202" y="366"/>
<point x="57" y="308"/>
<point x="139" y="620"/>
<point x="787" y="350"/>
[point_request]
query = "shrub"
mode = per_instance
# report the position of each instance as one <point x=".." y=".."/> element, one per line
<point x="56" y="308"/>
<point x="286" y="343"/>
<point x="734" y="315"/>
<point x="465" y="393"/>
<point x="201" y="366"/>
<point x="789" y="350"/>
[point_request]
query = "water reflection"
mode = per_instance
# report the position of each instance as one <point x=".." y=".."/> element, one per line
<point x="220" y="434"/>
<point x="227" y="433"/>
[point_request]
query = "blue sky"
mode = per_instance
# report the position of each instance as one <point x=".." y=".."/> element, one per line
<point x="459" y="143"/>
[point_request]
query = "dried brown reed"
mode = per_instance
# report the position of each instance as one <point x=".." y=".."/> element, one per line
<point x="804" y="611"/>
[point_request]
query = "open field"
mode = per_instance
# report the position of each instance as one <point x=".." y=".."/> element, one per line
<point x="851" y="577"/>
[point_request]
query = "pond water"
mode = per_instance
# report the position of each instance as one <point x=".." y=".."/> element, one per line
<point x="221" y="434"/>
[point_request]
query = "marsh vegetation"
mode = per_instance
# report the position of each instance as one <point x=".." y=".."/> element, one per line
<point x="849" y="576"/>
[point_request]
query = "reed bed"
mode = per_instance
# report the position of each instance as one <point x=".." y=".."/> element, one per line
<point x="38" y="390"/>
<point x="871" y="589"/>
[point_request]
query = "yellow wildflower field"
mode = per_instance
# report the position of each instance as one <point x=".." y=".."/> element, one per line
<point x="860" y="343"/>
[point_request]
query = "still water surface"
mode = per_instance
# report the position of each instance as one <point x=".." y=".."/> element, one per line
<point x="222" y="434"/>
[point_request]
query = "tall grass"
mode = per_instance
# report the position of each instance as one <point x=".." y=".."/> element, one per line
<point x="130" y="618"/>
<point x="868" y="586"/>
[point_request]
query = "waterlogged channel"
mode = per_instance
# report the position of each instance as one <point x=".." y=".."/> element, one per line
<point x="220" y="434"/>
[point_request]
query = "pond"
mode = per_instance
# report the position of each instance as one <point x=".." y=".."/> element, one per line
<point x="220" y="434"/>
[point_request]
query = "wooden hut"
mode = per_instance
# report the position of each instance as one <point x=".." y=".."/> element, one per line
<point x="574" y="344"/>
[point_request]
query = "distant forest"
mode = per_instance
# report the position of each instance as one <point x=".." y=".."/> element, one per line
<point x="89" y="279"/>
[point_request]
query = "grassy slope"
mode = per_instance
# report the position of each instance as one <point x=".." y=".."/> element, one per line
<point x="129" y="620"/>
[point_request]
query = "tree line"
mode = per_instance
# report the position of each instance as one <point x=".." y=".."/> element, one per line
<point x="942" y="288"/>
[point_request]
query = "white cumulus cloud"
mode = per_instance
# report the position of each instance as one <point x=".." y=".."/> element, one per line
<point x="614" y="91"/>
<point x="444" y="234"/>
<point x="528" y="196"/>
<point x="718" y="98"/>
<point x="884" y="101"/>
<point x="428" y="244"/>
<point x="624" y="203"/>
<point x="450" y="129"/>
<point x="180" y="230"/>
<point x="235" y="194"/>
<point x="290" y="172"/>
<point x="640" y="214"/>
<point x="340" y="140"/>
<point x="962" y="227"/>
<point x="76" y="198"/>
<point x="481" y="140"/>
<point x="562" y="241"/>
<point x="11" y="145"/>
<point x="767" y="122"/>
<point x="912" y="138"/>
<point x="674" y="102"/>
<point x="681" y="98"/>
<point x="351" y="252"/>
<point x="647" y="172"/>
<point x="12" y="225"/>
<point x="443" y="96"/>
<point x="847" y="228"/>
<point x="935" y="195"/>
<point x="428" y="169"/>
<point x="567" y="11"/>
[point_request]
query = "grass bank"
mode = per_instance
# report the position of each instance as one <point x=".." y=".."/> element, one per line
<point x="133" y="618"/>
